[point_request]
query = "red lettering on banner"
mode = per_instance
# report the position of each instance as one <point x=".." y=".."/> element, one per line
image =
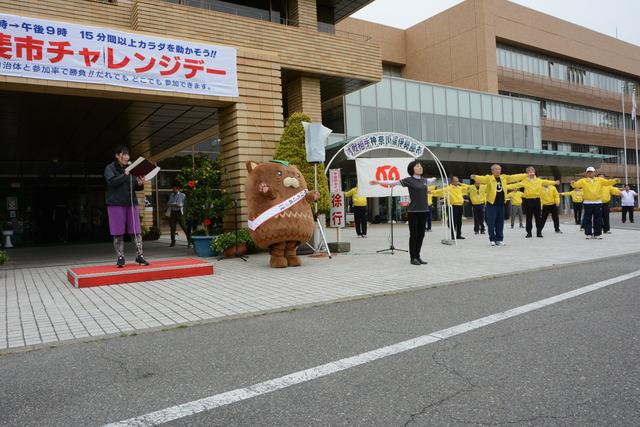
<point x="90" y="56"/>
<point x="59" y="49"/>
<point x="113" y="65"/>
<point x="387" y="173"/>
<point x="336" y="200"/>
<point x="336" y="218"/>
<point x="29" y="46"/>
<point x="165" y="61"/>
<point x="141" y="58"/>
<point x="5" y="46"/>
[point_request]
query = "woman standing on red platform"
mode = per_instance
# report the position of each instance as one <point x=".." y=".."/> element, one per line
<point x="122" y="205"/>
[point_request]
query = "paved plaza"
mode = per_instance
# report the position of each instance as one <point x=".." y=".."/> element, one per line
<point x="38" y="306"/>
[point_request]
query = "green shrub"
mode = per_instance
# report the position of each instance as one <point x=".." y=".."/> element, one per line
<point x="206" y="200"/>
<point x="3" y="257"/>
<point x="291" y="148"/>
<point x="227" y="240"/>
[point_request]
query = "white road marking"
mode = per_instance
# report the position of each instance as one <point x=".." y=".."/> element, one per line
<point x="222" y="399"/>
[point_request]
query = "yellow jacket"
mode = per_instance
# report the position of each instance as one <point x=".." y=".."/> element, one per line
<point x="592" y="187"/>
<point x="609" y="191"/>
<point x="492" y="184"/>
<point x="355" y="197"/>
<point x="515" y="197"/>
<point x="477" y="195"/>
<point x="456" y="193"/>
<point x="430" y="190"/>
<point x="533" y="187"/>
<point x="549" y="196"/>
<point x="576" y="196"/>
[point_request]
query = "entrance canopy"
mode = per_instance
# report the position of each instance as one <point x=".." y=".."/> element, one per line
<point x="42" y="132"/>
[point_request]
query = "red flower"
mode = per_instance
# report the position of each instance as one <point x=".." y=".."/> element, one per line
<point x="207" y="222"/>
<point x="192" y="184"/>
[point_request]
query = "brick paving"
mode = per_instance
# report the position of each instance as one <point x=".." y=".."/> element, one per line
<point x="39" y="307"/>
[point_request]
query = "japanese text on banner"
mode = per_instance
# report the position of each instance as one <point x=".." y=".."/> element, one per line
<point x="336" y="211"/>
<point x="43" y="49"/>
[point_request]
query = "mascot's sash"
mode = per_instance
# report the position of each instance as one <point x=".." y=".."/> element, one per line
<point x="275" y="210"/>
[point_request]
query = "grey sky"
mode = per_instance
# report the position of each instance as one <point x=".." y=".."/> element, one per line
<point x="598" y="15"/>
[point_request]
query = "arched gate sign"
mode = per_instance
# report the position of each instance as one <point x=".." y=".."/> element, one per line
<point x="394" y="141"/>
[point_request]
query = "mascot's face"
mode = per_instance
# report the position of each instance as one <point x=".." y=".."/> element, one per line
<point x="275" y="181"/>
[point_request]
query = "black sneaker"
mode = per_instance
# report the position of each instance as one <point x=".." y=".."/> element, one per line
<point x="422" y="262"/>
<point x="558" y="231"/>
<point x="482" y="232"/>
<point x="416" y="262"/>
<point x="460" y="238"/>
<point x="141" y="261"/>
<point x="172" y="244"/>
<point x="120" y="262"/>
<point x="539" y="235"/>
<point x="528" y="236"/>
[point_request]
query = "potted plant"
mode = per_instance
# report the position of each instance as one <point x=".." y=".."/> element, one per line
<point x="4" y="258"/>
<point x="226" y="243"/>
<point x="206" y="200"/>
<point x="7" y="232"/>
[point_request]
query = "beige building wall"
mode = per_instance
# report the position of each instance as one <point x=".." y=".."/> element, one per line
<point x="391" y="40"/>
<point x="303" y="95"/>
<point x="454" y="48"/>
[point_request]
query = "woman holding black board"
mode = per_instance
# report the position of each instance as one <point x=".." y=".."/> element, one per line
<point x="122" y="205"/>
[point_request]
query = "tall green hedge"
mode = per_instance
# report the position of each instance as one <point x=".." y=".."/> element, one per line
<point x="291" y="148"/>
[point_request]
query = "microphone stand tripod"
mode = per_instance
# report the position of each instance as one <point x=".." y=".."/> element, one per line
<point x="391" y="247"/>
<point x="235" y="225"/>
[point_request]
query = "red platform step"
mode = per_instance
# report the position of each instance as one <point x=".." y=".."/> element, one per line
<point x="99" y="275"/>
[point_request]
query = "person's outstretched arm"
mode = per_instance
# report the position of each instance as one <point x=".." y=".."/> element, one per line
<point x="388" y="182"/>
<point x="482" y="179"/>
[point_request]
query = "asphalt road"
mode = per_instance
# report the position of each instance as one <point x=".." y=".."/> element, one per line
<point x="572" y="363"/>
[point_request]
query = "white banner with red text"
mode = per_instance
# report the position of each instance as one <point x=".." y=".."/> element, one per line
<point x="45" y="49"/>
<point x="381" y="169"/>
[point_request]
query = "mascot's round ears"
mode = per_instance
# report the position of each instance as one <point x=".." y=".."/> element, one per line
<point x="251" y="165"/>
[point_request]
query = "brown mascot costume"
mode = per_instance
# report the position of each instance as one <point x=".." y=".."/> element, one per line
<point x="279" y="205"/>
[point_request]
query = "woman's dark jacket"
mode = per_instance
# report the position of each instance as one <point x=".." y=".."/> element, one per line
<point x="119" y="186"/>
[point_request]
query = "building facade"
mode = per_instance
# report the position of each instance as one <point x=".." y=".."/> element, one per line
<point x="578" y="77"/>
<point x="57" y="134"/>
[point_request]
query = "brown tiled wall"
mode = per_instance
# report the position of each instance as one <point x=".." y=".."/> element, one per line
<point x="303" y="95"/>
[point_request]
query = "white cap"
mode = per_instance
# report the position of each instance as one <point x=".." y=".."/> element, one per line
<point x="591" y="169"/>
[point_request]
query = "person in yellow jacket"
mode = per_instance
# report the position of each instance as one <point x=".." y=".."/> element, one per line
<point x="359" y="206"/>
<point x="516" y="206"/>
<point x="430" y="190"/>
<point x="497" y="186"/>
<point x="592" y="201"/>
<point x="576" y="201"/>
<point x="531" y="200"/>
<point x="455" y="192"/>
<point x="550" y="199"/>
<point x="607" y="192"/>
<point x="478" y="197"/>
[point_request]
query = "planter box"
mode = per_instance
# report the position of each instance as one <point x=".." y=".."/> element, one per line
<point x="202" y="245"/>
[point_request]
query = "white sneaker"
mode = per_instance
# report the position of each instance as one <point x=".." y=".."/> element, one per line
<point x="493" y="243"/>
<point x="501" y="244"/>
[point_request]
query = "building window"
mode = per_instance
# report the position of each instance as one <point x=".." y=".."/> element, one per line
<point x="264" y="10"/>
<point x="326" y="17"/>
<point x="391" y="70"/>
<point x="533" y="63"/>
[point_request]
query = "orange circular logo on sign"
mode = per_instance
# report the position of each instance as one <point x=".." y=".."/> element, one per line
<point x="387" y="173"/>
